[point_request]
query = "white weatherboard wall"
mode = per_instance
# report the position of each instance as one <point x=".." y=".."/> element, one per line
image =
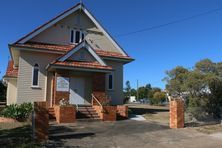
<point x="60" y="33"/>
<point x="24" y="84"/>
<point x="117" y="93"/>
<point x="11" y="91"/>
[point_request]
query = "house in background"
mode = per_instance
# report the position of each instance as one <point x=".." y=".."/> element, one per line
<point x="70" y="57"/>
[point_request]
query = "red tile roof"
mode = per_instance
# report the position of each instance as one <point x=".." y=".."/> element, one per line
<point x="11" y="71"/>
<point x="111" y="54"/>
<point x="54" y="47"/>
<point x="65" y="48"/>
<point x="91" y="65"/>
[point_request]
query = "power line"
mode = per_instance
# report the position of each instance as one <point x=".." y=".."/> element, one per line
<point x="169" y="23"/>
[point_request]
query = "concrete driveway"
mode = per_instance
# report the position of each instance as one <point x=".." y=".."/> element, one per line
<point x="127" y="133"/>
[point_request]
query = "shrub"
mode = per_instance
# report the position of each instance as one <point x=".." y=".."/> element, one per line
<point x="17" y="111"/>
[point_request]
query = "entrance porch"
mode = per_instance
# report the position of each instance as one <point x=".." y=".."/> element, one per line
<point x="77" y="87"/>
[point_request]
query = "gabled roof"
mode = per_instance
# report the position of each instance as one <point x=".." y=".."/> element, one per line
<point x="65" y="48"/>
<point x="53" y="21"/>
<point x="81" y="45"/>
<point x="11" y="71"/>
<point x="63" y="62"/>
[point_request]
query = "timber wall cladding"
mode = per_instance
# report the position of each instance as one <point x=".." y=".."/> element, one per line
<point x="176" y="113"/>
<point x="40" y="122"/>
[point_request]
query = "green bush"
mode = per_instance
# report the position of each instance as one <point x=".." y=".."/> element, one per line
<point x="17" y="111"/>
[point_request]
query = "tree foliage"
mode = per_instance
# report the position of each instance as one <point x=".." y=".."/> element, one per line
<point x="200" y="86"/>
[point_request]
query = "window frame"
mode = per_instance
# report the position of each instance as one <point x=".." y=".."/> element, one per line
<point x="108" y="80"/>
<point x="33" y="69"/>
<point x="81" y="35"/>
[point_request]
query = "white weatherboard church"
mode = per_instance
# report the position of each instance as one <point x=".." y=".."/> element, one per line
<point x="70" y="57"/>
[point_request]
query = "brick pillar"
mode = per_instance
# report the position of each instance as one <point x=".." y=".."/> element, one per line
<point x="176" y="113"/>
<point x="40" y="123"/>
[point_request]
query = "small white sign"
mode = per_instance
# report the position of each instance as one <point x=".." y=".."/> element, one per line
<point x="62" y="84"/>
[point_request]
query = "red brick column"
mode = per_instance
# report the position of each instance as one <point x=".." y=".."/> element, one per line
<point x="176" y="113"/>
<point x="122" y="111"/>
<point x="65" y="114"/>
<point x="40" y="122"/>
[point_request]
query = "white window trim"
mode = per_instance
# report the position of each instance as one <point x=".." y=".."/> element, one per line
<point x="35" y="86"/>
<point x="74" y="35"/>
<point x="107" y="81"/>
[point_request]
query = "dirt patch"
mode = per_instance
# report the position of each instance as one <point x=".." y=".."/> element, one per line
<point x="210" y="129"/>
<point x="159" y="114"/>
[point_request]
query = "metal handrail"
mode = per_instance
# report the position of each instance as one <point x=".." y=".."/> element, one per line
<point x="94" y="98"/>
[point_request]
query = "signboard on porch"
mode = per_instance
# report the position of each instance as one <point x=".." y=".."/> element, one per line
<point x="62" y="84"/>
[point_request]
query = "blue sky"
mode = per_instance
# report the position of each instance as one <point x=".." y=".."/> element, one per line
<point x="155" y="51"/>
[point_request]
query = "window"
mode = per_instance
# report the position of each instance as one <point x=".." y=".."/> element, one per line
<point x="35" y="75"/>
<point x="72" y="36"/>
<point x="76" y="36"/>
<point x="83" y="36"/>
<point x="110" y="81"/>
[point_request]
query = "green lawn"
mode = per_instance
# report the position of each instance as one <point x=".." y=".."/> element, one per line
<point x="16" y="135"/>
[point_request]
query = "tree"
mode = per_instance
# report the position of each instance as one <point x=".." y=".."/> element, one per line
<point x="175" y="80"/>
<point x="144" y="91"/>
<point x="2" y="91"/>
<point x="201" y="87"/>
<point x="127" y="89"/>
<point x="158" y="98"/>
<point x="133" y="92"/>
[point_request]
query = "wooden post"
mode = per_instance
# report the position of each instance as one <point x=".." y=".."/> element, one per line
<point x="40" y="122"/>
<point x="176" y="113"/>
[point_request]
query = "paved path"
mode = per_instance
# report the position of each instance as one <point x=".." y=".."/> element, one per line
<point x="129" y="134"/>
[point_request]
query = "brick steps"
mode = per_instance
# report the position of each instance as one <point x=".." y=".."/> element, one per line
<point x="87" y="112"/>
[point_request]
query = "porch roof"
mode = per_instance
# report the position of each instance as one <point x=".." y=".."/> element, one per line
<point x="79" y="65"/>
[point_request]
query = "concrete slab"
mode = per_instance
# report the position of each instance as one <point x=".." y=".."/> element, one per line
<point x="127" y="133"/>
<point x="217" y="135"/>
<point x="137" y="118"/>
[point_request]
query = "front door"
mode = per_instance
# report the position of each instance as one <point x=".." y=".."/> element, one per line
<point x="77" y="86"/>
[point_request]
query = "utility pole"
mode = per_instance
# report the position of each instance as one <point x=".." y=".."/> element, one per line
<point x="137" y="92"/>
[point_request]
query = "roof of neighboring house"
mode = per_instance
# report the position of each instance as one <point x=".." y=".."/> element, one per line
<point x="78" y="64"/>
<point x="65" y="48"/>
<point x="11" y="71"/>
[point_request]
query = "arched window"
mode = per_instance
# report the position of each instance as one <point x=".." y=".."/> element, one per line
<point x="35" y="75"/>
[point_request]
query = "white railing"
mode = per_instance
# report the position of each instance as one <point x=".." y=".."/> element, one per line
<point x="94" y="98"/>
